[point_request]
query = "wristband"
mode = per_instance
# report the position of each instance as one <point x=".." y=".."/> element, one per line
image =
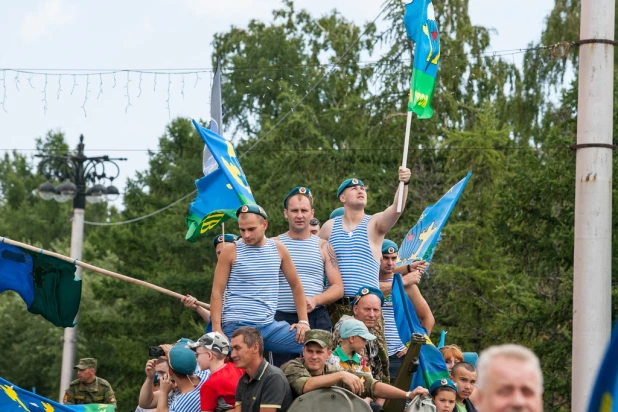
<point x="408" y="397"/>
<point x="409" y="268"/>
<point x="304" y="322"/>
<point x="406" y="183"/>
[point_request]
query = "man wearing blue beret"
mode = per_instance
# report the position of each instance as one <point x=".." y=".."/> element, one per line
<point x="246" y="286"/>
<point x="221" y="241"/>
<point x="367" y="307"/>
<point x="396" y="348"/>
<point x="313" y="258"/>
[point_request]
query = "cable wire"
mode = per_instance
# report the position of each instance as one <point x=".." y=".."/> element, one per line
<point x="258" y="139"/>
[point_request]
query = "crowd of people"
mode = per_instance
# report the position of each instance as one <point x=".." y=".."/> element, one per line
<point x="312" y="309"/>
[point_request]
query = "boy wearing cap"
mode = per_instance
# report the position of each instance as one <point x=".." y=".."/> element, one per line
<point x="313" y="258"/>
<point x="88" y="388"/>
<point x="396" y="348"/>
<point x="443" y="393"/>
<point x="218" y="392"/>
<point x="354" y="336"/>
<point x="367" y="307"/>
<point x="311" y="372"/>
<point x="184" y="376"/>
<point x="247" y="275"/>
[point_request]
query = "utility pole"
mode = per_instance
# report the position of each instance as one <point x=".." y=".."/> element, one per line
<point x="76" y="171"/>
<point x="592" y="266"/>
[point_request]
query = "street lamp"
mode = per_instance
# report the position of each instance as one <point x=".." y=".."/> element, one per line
<point x="75" y="172"/>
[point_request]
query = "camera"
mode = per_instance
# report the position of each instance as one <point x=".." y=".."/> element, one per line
<point x="155" y="351"/>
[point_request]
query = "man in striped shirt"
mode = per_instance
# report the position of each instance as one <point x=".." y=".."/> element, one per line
<point x="313" y="257"/>
<point x="357" y="240"/>
<point x="247" y="274"/>
<point x="396" y="349"/>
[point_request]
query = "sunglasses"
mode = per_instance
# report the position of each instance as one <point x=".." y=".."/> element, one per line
<point x="314" y="222"/>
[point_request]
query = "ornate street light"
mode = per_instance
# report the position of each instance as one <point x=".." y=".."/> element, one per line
<point x="75" y="172"/>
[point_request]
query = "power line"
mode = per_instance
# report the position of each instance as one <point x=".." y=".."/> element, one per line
<point x="260" y="138"/>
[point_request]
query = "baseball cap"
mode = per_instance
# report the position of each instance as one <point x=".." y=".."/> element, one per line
<point x="213" y="341"/>
<point x="354" y="327"/>
<point x="86" y="363"/>
<point x="322" y="337"/>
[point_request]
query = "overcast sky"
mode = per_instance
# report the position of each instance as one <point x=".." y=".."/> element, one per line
<point x="155" y="34"/>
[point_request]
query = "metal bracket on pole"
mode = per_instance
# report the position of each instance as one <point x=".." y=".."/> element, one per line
<point x="589" y="145"/>
<point x="588" y="41"/>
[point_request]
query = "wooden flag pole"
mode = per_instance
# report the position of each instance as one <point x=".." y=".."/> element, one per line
<point x="404" y="161"/>
<point x="101" y="270"/>
<point x="223" y="234"/>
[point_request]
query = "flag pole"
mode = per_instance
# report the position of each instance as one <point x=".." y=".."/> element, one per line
<point x="404" y="161"/>
<point x="101" y="270"/>
<point x="223" y="234"/>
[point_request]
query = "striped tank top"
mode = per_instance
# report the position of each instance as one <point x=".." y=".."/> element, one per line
<point x="390" y="327"/>
<point x="307" y="258"/>
<point x="356" y="262"/>
<point x="253" y="285"/>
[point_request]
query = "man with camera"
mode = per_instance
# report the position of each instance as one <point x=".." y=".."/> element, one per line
<point x="180" y="386"/>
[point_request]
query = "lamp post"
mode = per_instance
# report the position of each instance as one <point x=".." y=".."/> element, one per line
<point x="75" y="171"/>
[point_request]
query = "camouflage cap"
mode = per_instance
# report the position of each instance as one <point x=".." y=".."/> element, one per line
<point x="213" y="341"/>
<point x="86" y="363"/>
<point x="322" y="337"/>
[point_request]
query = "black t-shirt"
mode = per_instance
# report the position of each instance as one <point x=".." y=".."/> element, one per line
<point x="269" y="389"/>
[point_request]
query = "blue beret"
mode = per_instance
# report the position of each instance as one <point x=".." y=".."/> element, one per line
<point x="367" y="290"/>
<point x="252" y="209"/>
<point x="388" y="246"/>
<point x="298" y="190"/>
<point x="337" y="212"/>
<point x="229" y="238"/>
<point x="442" y="383"/>
<point x="349" y="183"/>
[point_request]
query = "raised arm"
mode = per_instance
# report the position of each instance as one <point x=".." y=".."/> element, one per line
<point x="331" y="267"/>
<point x="148" y="399"/>
<point x="219" y="283"/>
<point x="384" y="221"/>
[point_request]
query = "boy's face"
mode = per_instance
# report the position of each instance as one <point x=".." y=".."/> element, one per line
<point x="465" y="381"/>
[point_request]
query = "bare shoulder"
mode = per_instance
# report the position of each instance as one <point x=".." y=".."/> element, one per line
<point x="326" y="229"/>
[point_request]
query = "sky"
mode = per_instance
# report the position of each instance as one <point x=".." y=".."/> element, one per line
<point x="124" y="116"/>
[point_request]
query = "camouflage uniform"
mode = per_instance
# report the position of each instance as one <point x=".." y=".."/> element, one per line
<point x="298" y="375"/>
<point x="97" y="391"/>
<point x="376" y="351"/>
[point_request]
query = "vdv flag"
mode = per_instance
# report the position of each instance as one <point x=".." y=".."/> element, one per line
<point x="15" y="399"/>
<point x="47" y="284"/>
<point x="431" y="365"/>
<point x="422" y="29"/>
<point x="221" y="191"/>
<point x="421" y="240"/>
<point x="605" y="392"/>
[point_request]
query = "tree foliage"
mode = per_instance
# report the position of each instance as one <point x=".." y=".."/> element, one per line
<point x="305" y="107"/>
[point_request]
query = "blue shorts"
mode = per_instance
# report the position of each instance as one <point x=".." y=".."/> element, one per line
<point x="277" y="336"/>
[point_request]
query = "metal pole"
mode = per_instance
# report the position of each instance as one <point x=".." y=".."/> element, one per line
<point x="592" y="272"/>
<point x="70" y="334"/>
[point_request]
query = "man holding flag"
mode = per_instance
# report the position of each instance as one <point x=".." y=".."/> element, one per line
<point x="396" y="348"/>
